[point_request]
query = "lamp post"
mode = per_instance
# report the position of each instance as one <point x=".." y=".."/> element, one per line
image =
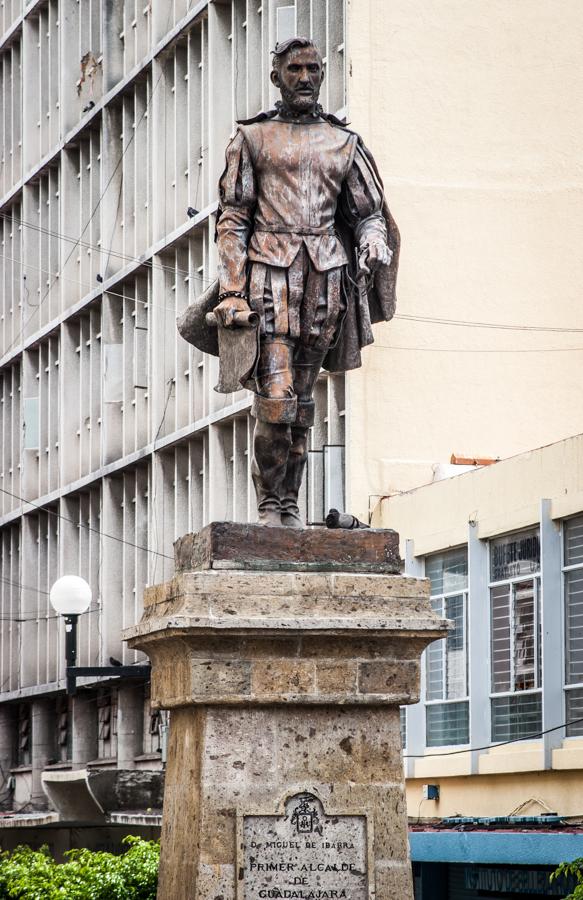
<point x="70" y="597"/>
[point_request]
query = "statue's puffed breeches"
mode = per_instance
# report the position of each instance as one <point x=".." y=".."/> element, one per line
<point x="299" y="302"/>
<point x="301" y="310"/>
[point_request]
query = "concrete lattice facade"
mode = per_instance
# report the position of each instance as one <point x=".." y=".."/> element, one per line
<point x="114" y="119"/>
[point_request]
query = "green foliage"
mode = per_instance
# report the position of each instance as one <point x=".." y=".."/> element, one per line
<point x="27" y="874"/>
<point x="574" y="872"/>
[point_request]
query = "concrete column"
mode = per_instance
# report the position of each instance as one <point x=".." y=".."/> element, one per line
<point x="553" y="630"/>
<point x="43" y="736"/>
<point x="285" y="680"/>
<point x="112" y="45"/>
<point x="416" y="722"/>
<point x="84" y="724"/>
<point x="130" y="724"/>
<point x="478" y="642"/>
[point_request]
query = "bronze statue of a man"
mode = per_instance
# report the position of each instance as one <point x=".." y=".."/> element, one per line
<point x="306" y="242"/>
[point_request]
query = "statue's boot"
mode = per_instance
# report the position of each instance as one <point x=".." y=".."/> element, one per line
<point x="274" y="408"/>
<point x="271" y="445"/>
<point x="292" y="482"/>
<point x="296" y="464"/>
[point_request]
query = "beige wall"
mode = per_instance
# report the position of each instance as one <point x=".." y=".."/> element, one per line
<point x="500" y="795"/>
<point x="500" y="498"/>
<point x="472" y="112"/>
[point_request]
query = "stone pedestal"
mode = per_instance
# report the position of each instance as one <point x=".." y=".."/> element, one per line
<point x="284" y="677"/>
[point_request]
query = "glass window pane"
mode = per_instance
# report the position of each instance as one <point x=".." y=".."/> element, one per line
<point x="574" y="626"/>
<point x="573" y="542"/>
<point x="514" y="555"/>
<point x="434" y="665"/>
<point x="500" y="637"/>
<point x="574" y="712"/>
<point x="448" y="572"/>
<point x="456" y="649"/>
<point x="524" y="634"/>
<point x="517" y="717"/>
<point x="447" y="723"/>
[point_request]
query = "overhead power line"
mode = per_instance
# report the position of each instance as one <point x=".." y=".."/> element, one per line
<point x="436" y="320"/>
<point x="97" y="248"/>
<point x="535" y="734"/>
<point x="478" y="350"/>
<point x="156" y="305"/>
<point x="112" y="537"/>
<point x="411" y="317"/>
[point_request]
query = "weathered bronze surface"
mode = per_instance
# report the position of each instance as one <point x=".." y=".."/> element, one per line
<point x="230" y="545"/>
<point x="306" y="241"/>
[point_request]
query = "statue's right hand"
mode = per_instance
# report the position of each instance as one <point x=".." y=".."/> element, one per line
<point x="225" y="311"/>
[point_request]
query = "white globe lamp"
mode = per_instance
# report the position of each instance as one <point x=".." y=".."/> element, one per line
<point x="70" y="595"/>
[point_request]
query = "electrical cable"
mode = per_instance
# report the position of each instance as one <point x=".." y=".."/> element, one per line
<point x="529" y="737"/>
<point x="376" y="345"/>
<point x="478" y="350"/>
<point x="172" y="309"/>
<point x="24" y="587"/>
<point x="112" y="537"/>
<point x="116" y="254"/>
<point x="104" y="291"/>
<point x="436" y="320"/>
<point x="497" y="325"/>
<point x="42" y="618"/>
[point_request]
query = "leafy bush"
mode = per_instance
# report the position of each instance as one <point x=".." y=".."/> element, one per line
<point x="573" y="871"/>
<point x="27" y="874"/>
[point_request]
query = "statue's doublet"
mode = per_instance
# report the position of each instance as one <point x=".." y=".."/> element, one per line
<point x="314" y="183"/>
<point x="291" y="175"/>
<point x="299" y="170"/>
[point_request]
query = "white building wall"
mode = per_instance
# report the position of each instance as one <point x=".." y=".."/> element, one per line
<point x="114" y="119"/>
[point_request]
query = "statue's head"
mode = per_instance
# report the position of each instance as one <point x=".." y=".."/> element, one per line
<point x="298" y="72"/>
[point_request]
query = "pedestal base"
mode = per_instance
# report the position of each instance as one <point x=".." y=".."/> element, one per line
<point x="284" y="773"/>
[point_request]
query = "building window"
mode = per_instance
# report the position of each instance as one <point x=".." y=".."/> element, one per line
<point x="63" y="734"/>
<point x="573" y="581"/>
<point x="447" y="706"/>
<point x="107" y="724"/>
<point x="24" y="735"/>
<point x="515" y="636"/>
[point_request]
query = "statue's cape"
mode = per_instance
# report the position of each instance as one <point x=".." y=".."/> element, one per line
<point x="380" y="300"/>
<point x="377" y="305"/>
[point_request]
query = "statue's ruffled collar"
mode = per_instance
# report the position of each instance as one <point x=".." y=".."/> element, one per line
<point x="281" y="114"/>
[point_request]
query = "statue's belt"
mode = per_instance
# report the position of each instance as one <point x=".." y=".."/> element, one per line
<point x="295" y="229"/>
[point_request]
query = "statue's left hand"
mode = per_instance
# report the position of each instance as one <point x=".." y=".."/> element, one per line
<point x="374" y="255"/>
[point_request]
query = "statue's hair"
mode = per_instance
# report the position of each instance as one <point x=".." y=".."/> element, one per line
<point x="283" y="47"/>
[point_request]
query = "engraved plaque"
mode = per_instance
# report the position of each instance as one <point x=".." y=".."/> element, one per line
<point x="304" y="854"/>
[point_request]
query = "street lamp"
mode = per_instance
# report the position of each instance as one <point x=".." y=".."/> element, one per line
<point x="70" y="597"/>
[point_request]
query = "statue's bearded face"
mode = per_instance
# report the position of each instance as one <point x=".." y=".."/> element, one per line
<point x="299" y="78"/>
